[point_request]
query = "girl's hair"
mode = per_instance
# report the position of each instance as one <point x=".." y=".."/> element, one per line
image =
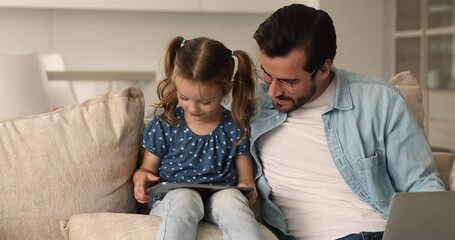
<point x="207" y="61"/>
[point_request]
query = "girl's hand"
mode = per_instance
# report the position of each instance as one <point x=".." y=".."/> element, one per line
<point x="251" y="196"/>
<point x="141" y="178"/>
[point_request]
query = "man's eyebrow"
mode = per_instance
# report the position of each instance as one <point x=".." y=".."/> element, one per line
<point x="280" y="79"/>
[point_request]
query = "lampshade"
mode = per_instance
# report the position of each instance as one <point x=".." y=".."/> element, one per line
<point x="21" y="85"/>
<point x="60" y="92"/>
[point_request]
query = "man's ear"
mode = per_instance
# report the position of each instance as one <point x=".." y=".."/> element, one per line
<point x="325" y="69"/>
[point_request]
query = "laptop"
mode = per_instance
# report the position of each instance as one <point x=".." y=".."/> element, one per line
<point x="421" y="216"/>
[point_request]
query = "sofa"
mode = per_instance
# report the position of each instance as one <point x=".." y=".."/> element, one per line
<point x="67" y="174"/>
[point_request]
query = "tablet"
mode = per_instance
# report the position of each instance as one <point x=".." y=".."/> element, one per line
<point x="162" y="188"/>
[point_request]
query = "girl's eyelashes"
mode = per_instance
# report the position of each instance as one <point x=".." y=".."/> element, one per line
<point x="203" y="102"/>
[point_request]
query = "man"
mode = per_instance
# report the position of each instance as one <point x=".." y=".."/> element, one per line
<point x="331" y="146"/>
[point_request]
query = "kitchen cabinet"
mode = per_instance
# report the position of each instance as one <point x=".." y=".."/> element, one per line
<point x="425" y="45"/>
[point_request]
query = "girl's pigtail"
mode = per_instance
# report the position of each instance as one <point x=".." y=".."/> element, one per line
<point x="166" y="90"/>
<point x="243" y="91"/>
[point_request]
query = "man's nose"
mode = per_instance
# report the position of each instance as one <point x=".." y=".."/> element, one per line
<point x="275" y="89"/>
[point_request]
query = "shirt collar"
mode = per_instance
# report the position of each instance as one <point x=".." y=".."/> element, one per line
<point x="343" y="98"/>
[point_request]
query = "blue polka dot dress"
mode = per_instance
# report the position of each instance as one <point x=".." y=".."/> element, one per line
<point x="188" y="157"/>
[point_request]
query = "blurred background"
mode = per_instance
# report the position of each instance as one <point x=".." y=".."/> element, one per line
<point x="379" y="38"/>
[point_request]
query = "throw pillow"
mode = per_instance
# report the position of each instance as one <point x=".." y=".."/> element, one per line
<point x="451" y="183"/>
<point x="408" y="85"/>
<point x="444" y="163"/>
<point x="78" y="159"/>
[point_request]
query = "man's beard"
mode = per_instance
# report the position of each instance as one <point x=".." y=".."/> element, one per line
<point x="296" y="103"/>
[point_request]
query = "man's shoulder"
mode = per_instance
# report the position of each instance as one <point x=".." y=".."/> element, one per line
<point x="354" y="77"/>
<point x="363" y="82"/>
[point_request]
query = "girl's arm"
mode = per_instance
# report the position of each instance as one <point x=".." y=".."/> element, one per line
<point x="244" y="167"/>
<point x="148" y="172"/>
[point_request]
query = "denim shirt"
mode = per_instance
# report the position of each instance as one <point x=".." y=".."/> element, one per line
<point x="373" y="140"/>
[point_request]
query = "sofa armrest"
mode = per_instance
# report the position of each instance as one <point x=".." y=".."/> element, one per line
<point x="444" y="162"/>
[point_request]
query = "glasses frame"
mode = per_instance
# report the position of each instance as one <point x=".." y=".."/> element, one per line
<point x="286" y="86"/>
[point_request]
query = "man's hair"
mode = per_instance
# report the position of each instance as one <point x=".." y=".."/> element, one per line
<point x="298" y="27"/>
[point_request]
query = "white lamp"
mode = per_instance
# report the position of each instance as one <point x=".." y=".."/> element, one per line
<point x="21" y="85"/>
<point x="60" y="92"/>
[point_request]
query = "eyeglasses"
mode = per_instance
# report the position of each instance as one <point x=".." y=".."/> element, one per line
<point x="285" y="84"/>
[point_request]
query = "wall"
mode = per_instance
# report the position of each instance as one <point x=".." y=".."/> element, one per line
<point x="363" y="35"/>
<point x="117" y="40"/>
<point x="135" y="40"/>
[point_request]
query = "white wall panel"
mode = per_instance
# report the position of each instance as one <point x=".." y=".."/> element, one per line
<point x="360" y="34"/>
<point x="113" y="40"/>
<point x="24" y="30"/>
<point x="135" y="40"/>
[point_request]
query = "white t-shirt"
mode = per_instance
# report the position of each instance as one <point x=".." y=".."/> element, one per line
<point x="306" y="185"/>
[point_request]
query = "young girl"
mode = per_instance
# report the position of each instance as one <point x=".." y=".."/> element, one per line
<point x="197" y="140"/>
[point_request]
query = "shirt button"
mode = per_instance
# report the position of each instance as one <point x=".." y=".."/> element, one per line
<point x="277" y="117"/>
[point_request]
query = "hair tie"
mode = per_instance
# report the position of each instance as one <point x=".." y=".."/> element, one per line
<point x="236" y="65"/>
<point x="183" y="42"/>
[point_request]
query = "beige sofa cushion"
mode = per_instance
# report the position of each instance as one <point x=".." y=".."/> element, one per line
<point x="408" y="85"/>
<point x="444" y="163"/>
<point x="78" y="159"/>
<point x="110" y="226"/>
<point x="451" y="182"/>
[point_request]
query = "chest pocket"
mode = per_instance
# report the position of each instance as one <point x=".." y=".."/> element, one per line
<point x="375" y="179"/>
